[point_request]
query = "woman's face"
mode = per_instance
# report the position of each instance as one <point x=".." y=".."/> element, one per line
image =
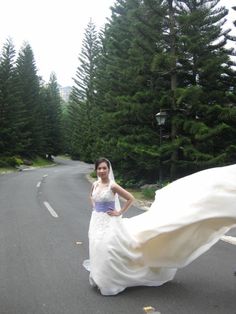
<point x="102" y="170"/>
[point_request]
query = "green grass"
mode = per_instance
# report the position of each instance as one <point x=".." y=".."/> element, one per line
<point x="7" y="169"/>
<point x="143" y="195"/>
<point x="40" y="162"/>
<point x="65" y="156"/>
<point x="149" y="193"/>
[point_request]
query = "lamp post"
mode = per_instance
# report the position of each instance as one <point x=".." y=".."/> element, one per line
<point x="161" y="119"/>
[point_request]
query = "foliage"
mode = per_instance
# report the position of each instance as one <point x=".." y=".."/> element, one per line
<point x="81" y="119"/>
<point x="93" y="175"/>
<point x="40" y="162"/>
<point x="151" y="55"/>
<point x="10" y="161"/>
<point x="30" y="112"/>
<point x="52" y="117"/>
<point x="149" y="193"/>
<point x="156" y="55"/>
<point x="10" y="121"/>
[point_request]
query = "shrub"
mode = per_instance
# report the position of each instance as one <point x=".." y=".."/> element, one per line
<point x="10" y="161"/>
<point x="149" y="193"/>
<point x="13" y="161"/>
<point x="3" y="164"/>
<point x="93" y="174"/>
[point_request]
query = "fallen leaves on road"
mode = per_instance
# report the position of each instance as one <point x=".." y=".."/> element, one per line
<point x="150" y="310"/>
<point x="78" y="242"/>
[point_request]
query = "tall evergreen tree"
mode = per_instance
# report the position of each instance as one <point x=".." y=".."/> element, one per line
<point x="115" y="85"/>
<point x="129" y="90"/>
<point x="205" y="77"/>
<point x="10" y="110"/>
<point x="52" y="118"/>
<point x="157" y="55"/>
<point x="82" y="98"/>
<point x="28" y="83"/>
<point x="198" y="69"/>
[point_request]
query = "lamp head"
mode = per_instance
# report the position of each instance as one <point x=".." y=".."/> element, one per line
<point x="161" y="117"/>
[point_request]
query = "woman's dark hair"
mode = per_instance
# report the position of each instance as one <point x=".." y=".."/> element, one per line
<point x="100" y="160"/>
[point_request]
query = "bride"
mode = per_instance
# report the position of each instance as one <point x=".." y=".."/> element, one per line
<point x="187" y="217"/>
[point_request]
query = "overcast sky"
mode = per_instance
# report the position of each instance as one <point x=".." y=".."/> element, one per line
<point x="55" y="30"/>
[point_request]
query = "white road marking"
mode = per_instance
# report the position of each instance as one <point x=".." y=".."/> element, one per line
<point x="50" y="209"/>
<point x="45" y="175"/>
<point x="229" y="239"/>
<point x="39" y="183"/>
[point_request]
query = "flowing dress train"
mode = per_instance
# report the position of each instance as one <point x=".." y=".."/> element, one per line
<point x="186" y="218"/>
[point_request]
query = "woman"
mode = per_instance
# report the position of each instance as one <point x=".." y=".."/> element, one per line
<point x="107" y="184"/>
<point x="187" y="217"/>
<point x="105" y="219"/>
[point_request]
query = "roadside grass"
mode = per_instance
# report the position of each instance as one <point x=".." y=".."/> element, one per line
<point x="66" y="156"/>
<point x="143" y="194"/>
<point x="7" y="169"/>
<point x="37" y="162"/>
<point x="41" y="162"/>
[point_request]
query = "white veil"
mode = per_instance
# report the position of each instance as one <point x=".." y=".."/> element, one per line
<point x="112" y="178"/>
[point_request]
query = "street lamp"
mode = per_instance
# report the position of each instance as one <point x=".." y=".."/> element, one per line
<point x="161" y="119"/>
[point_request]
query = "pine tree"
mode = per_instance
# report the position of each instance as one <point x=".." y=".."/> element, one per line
<point x="10" y="120"/>
<point x="205" y="78"/>
<point x="198" y="68"/>
<point x="82" y="98"/>
<point x="52" y="118"/>
<point x="127" y="91"/>
<point x="162" y="55"/>
<point x="28" y="83"/>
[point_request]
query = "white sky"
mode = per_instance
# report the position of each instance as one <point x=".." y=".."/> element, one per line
<point x="55" y="30"/>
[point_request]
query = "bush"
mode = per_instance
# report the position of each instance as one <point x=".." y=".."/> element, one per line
<point x="149" y="193"/>
<point x="14" y="161"/>
<point x="10" y="161"/>
<point x="93" y="174"/>
<point x="3" y="164"/>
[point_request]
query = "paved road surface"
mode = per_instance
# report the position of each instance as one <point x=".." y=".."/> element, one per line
<point x="44" y="217"/>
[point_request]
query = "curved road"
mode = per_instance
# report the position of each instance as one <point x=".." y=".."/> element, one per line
<point x="44" y="217"/>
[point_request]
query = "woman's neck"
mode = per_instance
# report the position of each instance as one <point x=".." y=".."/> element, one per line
<point x="105" y="181"/>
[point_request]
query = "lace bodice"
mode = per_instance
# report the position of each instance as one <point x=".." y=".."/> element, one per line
<point x="103" y="197"/>
<point x="104" y="194"/>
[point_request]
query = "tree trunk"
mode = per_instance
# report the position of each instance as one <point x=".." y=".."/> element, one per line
<point x="174" y="155"/>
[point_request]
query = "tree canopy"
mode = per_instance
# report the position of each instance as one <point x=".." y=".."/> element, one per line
<point x="151" y="56"/>
<point x="161" y="55"/>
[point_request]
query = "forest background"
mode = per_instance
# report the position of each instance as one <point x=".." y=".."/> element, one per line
<point x="152" y="56"/>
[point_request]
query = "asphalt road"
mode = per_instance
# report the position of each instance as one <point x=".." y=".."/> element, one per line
<point x="44" y="218"/>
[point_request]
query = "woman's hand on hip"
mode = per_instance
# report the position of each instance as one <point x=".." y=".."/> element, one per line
<point x="112" y="212"/>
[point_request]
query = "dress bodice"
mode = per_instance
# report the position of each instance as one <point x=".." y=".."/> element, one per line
<point x="103" y="197"/>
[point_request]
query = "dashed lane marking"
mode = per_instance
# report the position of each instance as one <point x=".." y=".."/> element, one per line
<point x="50" y="209"/>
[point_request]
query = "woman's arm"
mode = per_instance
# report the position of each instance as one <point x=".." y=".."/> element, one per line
<point x="124" y="194"/>
<point x="90" y="195"/>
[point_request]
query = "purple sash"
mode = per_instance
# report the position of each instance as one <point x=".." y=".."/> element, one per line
<point x="104" y="206"/>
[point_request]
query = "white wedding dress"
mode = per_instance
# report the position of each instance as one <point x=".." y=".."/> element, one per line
<point x="187" y="217"/>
